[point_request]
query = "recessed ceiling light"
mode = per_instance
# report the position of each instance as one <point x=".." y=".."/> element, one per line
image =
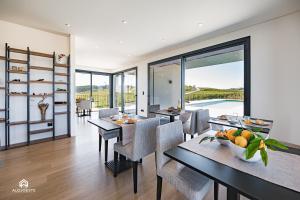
<point x="97" y="47"/>
<point x="68" y="25"/>
<point x="129" y="55"/>
<point x="124" y="21"/>
<point x="121" y="42"/>
<point x="200" y="24"/>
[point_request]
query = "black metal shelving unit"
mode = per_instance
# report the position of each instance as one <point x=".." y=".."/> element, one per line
<point x="28" y="83"/>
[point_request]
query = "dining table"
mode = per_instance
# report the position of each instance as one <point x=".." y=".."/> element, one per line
<point x="239" y="123"/>
<point x="170" y="113"/>
<point x="277" y="181"/>
<point x="108" y="124"/>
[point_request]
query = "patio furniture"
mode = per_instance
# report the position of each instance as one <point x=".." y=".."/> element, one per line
<point x="192" y="184"/>
<point x="106" y="135"/>
<point x="143" y="144"/>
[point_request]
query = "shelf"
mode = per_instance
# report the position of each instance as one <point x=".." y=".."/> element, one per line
<point x="41" y="131"/>
<point x="17" y="72"/>
<point x="17" y="94"/>
<point x="61" y="74"/>
<point x="2" y="58"/>
<point x="15" y="50"/>
<point x="41" y="121"/>
<point x="61" y="65"/>
<point x="61" y="91"/>
<point x="61" y="113"/>
<point x="42" y="82"/>
<point x="41" y="95"/>
<point x="17" y="82"/>
<point x="41" y="68"/>
<point x="17" y="123"/>
<point x="61" y="83"/>
<point x="17" y="61"/>
<point x="46" y="55"/>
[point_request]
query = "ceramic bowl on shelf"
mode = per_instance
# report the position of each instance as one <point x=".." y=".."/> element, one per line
<point x="240" y="153"/>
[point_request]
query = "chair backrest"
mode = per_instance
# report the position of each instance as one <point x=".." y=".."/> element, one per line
<point x="107" y="112"/>
<point x="202" y="120"/>
<point x="153" y="108"/>
<point x="167" y="136"/>
<point x="185" y="116"/>
<point x="144" y="139"/>
<point x="85" y="104"/>
<point x="193" y="126"/>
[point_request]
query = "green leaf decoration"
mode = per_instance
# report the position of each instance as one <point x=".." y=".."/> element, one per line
<point x="271" y="147"/>
<point x="222" y="138"/>
<point x="206" y="138"/>
<point x="212" y="139"/>
<point x="237" y="133"/>
<point x="275" y="143"/>
<point x="260" y="136"/>
<point x="264" y="156"/>
<point x="255" y="140"/>
<point x="251" y="149"/>
<point x="252" y="137"/>
<point x="256" y="129"/>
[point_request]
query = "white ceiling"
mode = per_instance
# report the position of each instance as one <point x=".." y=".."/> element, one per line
<point x="151" y="24"/>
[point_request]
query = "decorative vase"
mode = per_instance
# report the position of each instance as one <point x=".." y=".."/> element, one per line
<point x="43" y="108"/>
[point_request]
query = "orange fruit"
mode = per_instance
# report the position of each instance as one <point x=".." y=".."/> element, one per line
<point x="219" y="134"/>
<point x="241" y="141"/>
<point x="230" y="136"/>
<point x="246" y="134"/>
<point x="231" y="131"/>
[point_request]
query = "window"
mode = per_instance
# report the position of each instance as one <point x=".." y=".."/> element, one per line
<point x="165" y="84"/>
<point x="215" y="81"/>
<point x="215" y="78"/>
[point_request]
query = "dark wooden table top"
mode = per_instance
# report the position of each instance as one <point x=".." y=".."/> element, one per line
<point x="249" y="186"/>
<point x="104" y="124"/>
<point x="167" y="113"/>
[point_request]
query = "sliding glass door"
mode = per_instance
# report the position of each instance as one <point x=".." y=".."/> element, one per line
<point x="165" y="84"/>
<point x="215" y="78"/>
<point x="93" y="86"/>
<point x="125" y="91"/>
<point x="215" y="81"/>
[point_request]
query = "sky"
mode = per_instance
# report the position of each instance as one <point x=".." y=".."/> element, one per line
<point x="223" y="76"/>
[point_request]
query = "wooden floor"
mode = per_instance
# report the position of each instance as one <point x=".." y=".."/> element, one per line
<point x="72" y="168"/>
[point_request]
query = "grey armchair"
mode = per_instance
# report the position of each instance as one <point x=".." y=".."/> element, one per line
<point x="190" y="125"/>
<point x="202" y="121"/>
<point x="192" y="184"/>
<point x="106" y="135"/>
<point x="143" y="144"/>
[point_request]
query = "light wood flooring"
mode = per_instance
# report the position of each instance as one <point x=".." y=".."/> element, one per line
<point x="72" y="168"/>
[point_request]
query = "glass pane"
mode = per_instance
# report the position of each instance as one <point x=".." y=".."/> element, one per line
<point x="83" y="86"/>
<point x="215" y="81"/>
<point x="100" y="91"/>
<point x="165" y="84"/>
<point x="130" y="92"/>
<point x="117" y="89"/>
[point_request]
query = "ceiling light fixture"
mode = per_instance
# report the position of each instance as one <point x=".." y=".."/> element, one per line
<point x="68" y="25"/>
<point x="97" y="47"/>
<point x="121" y="42"/>
<point x="124" y="21"/>
<point x="200" y="24"/>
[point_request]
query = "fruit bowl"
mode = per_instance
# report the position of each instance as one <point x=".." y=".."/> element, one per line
<point x="223" y="142"/>
<point x="240" y="153"/>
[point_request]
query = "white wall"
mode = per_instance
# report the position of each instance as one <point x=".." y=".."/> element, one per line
<point x="275" y="69"/>
<point x="18" y="36"/>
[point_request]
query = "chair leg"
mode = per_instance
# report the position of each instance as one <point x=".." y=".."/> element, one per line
<point x="216" y="190"/>
<point x="115" y="163"/>
<point x="135" y="163"/>
<point x="192" y="136"/>
<point x="106" y="150"/>
<point x="184" y="137"/>
<point x="118" y="139"/>
<point x="100" y="142"/>
<point x="141" y="161"/>
<point x="158" y="187"/>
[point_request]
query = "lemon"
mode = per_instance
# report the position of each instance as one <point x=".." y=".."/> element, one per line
<point x="246" y="134"/>
<point x="241" y="141"/>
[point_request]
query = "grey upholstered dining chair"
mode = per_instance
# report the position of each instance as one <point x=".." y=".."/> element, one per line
<point x="190" y="123"/>
<point x="153" y="108"/>
<point x="202" y="121"/>
<point x="143" y="144"/>
<point x="106" y="135"/>
<point x="192" y="184"/>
